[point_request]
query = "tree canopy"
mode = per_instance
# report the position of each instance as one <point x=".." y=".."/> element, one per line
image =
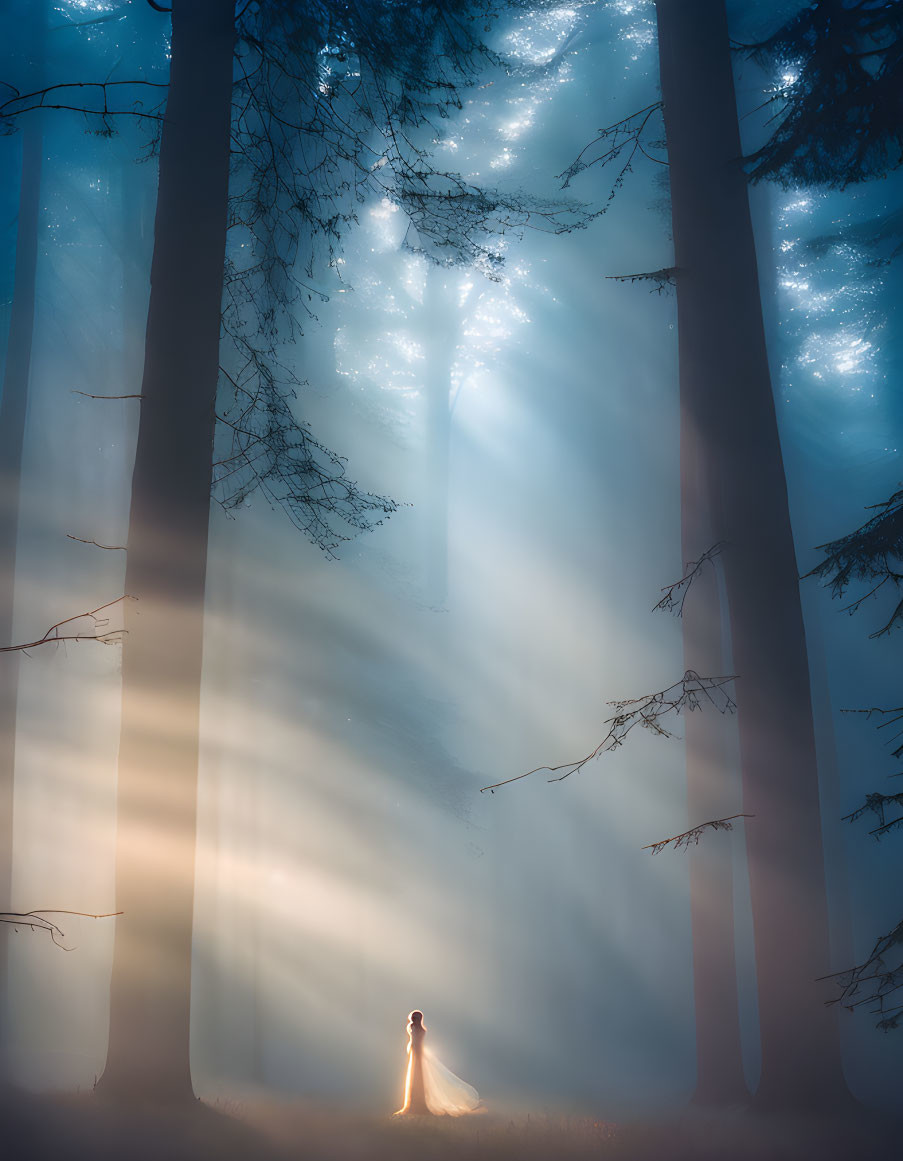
<point x="841" y="94"/>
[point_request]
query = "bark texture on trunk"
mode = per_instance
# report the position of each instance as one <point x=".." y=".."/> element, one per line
<point x="13" y="412"/>
<point x="726" y="395"/>
<point x="166" y="570"/>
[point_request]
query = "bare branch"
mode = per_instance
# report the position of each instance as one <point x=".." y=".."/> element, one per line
<point x="694" y="834"/>
<point x="624" y="137"/>
<point x="894" y="716"/>
<point x="108" y="547"/>
<point x="19" y="103"/>
<point x="690" y="693"/>
<point x="88" y="395"/>
<point x="53" y="633"/>
<point x="37" y="920"/>
<point x="675" y="594"/>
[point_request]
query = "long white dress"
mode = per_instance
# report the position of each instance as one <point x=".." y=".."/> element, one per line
<point x="430" y="1087"/>
<point x="446" y="1094"/>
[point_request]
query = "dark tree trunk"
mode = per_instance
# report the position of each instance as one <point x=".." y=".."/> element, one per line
<point x="726" y="395"/>
<point x="167" y="557"/>
<point x="13" y="409"/>
<point x="711" y="793"/>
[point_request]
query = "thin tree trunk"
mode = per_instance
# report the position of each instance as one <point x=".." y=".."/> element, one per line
<point x="166" y="570"/>
<point x="710" y="794"/>
<point x="13" y="410"/>
<point x="726" y="392"/>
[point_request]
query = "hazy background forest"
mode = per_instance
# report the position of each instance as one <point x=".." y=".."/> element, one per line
<point x="524" y="416"/>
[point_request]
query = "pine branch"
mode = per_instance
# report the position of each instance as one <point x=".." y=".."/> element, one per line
<point x="876" y="804"/>
<point x="663" y="278"/>
<point x="692" y="692"/>
<point x="694" y="834"/>
<point x="874" y="982"/>
<point x="872" y="553"/>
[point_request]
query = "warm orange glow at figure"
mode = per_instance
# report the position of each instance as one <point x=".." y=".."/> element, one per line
<point x="429" y="1087"/>
<point x="414" y="1097"/>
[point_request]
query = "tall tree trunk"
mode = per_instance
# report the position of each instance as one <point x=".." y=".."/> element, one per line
<point x="166" y="570"/>
<point x="13" y="409"/>
<point x="711" y="793"/>
<point x="726" y="393"/>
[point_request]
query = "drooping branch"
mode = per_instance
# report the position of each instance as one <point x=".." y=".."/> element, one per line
<point x="692" y="692"/>
<point x="676" y="594"/>
<point x="334" y="108"/>
<point x="618" y="143"/>
<point x="53" y="633"/>
<point x="694" y="834"/>
<point x="37" y="920"/>
<point x="875" y="982"/>
<point x="263" y="446"/>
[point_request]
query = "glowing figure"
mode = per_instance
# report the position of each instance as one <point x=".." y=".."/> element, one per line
<point x="429" y="1087"/>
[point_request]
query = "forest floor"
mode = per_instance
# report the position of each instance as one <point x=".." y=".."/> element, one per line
<point x="87" y="1128"/>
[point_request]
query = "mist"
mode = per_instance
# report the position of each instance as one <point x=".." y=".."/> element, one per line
<point x="519" y="408"/>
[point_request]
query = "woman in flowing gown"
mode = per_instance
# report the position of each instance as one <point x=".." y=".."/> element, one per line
<point x="429" y="1087"/>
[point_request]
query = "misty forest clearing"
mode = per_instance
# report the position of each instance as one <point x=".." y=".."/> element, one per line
<point x="451" y="552"/>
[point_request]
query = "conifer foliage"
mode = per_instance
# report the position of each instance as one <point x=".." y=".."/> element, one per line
<point x="841" y="120"/>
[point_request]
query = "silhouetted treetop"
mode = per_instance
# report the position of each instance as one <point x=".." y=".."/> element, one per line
<point x="842" y="94"/>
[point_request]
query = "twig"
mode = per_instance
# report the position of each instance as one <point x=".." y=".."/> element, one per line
<point x="614" y="140"/>
<point x="36" y="920"/>
<point x="894" y="714"/>
<point x="52" y="633"/>
<point x="676" y="594"/>
<point x="108" y="547"/>
<point x="88" y="395"/>
<point x="694" y="834"/>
